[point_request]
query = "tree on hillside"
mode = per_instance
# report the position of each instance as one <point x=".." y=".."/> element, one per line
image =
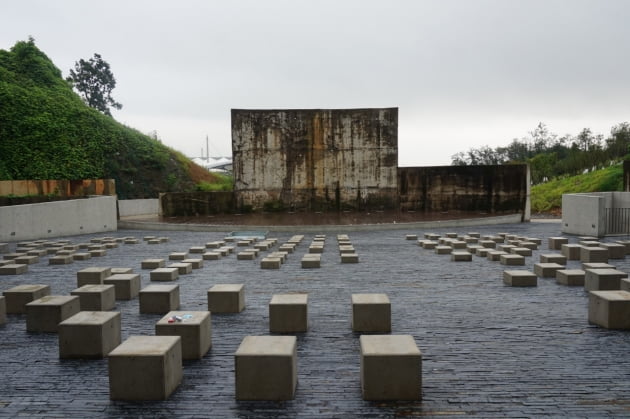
<point x="95" y="81"/>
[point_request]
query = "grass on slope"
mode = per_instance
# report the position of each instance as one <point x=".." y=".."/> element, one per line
<point x="547" y="196"/>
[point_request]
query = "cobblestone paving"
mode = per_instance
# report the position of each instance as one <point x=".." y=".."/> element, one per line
<point x="488" y="350"/>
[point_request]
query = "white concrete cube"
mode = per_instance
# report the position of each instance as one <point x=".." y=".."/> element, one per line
<point x="89" y="334"/>
<point x="349" y="258"/>
<point x="13" y="269"/>
<point x="555" y="243"/>
<point x="145" y="368"/>
<point x="391" y="368"/>
<point x="211" y="256"/>
<point x="461" y="257"/>
<point x="553" y="258"/>
<point x="194" y="263"/>
<point x="310" y="260"/>
<point x="194" y="327"/>
<point x="266" y="368"/>
<point x="371" y="313"/>
<point x="178" y="256"/>
<point x="571" y="251"/>
<point x="615" y="250"/>
<point x="593" y="254"/>
<point x="182" y="268"/>
<point x="270" y="263"/>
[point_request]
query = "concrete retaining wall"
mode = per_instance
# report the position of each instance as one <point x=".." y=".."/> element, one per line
<point x="585" y="214"/>
<point x="184" y="204"/>
<point x="491" y="189"/>
<point x="315" y="159"/>
<point x="135" y="207"/>
<point x="55" y="219"/>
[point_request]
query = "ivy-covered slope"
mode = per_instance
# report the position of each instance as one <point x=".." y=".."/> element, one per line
<point x="47" y="132"/>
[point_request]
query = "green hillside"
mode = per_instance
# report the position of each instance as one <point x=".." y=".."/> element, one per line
<point x="547" y="197"/>
<point x="47" y="132"/>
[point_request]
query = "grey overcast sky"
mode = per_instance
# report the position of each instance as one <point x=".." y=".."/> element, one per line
<point x="463" y="73"/>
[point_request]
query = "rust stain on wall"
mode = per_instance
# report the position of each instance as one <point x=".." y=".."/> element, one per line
<point x="316" y="159"/>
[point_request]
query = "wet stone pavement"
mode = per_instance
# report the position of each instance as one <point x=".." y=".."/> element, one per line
<point x="488" y="350"/>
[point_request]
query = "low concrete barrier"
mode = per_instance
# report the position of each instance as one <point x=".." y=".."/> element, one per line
<point x="137" y="207"/>
<point x="54" y="219"/>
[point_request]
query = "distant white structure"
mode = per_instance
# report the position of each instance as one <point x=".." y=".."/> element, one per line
<point x="215" y="164"/>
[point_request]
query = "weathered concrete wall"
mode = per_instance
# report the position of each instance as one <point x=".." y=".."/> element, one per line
<point x="584" y="214"/>
<point x="65" y="188"/>
<point x="54" y="219"/>
<point x="491" y="189"/>
<point x="176" y="204"/>
<point x="315" y="159"/>
<point x="136" y="207"/>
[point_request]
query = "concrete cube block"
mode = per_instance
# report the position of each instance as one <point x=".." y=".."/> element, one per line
<point x="589" y="243"/>
<point x="194" y="327"/>
<point x="164" y="274"/>
<point x="13" y="269"/>
<point x="482" y="252"/>
<point x="116" y="271"/>
<point x="246" y="255"/>
<point x="349" y="258"/>
<point x="100" y="297"/>
<point x="290" y="248"/>
<point x="471" y="240"/>
<point x="555" y="243"/>
<point x="624" y="284"/>
<point x="571" y="251"/>
<point x="626" y="243"/>
<point x="570" y="277"/>
<point x="288" y="313"/>
<point x="182" y="268"/>
<point x="29" y="260"/>
<point x="391" y="368"/>
<point x="553" y="258"/>
<point x="507" y="247"/>
<point x="223" y="251"/>
<point x="13" y="256"/>
<point x="266" y="368"/>
<point x="98" y="253"/>
<point x="145" y="368"/>
<point x="597" y="265"/>
<point x="89" y="334"/>
<point x="197" y="249"/>
<point x="603" y="279"/>
<point x="593" y="254"/>
<point x="131" y="241"/>
<point x="111" y="245"/>
<point x="152" y="263"/>
<point x="159" y="299"/>
<point x="461" y="257"/>
<point x="226" y="298"/>
<point x="282" y="255"/>
<point x="512" y="260"/>
<point x="520" y="278"/>
<point x="60" y="260"/>
<point x="163" y="239"/>
<point x="126" y="286"/>
<point x="346" y="249"/>
<point x="609" y="309"/>
<point x="154" y="241"/>
<point x="93" y="275"/>
<point x="271" y="263"/>
<point x="311" y="261"/>
<point x="45" y="313"/>
<point x="443" y="250"/>
<point x="411" y="237"/>
<point x="20" y="295"/>
<point x="82" y="256"/>
<point x="178" y="256"/>
<point x="37" y="252"/>
<point x="547" y="270"/>
<point x="211" y="256"/>
<point x="195" y="263"/>
<point x="615" y="250"/>
<point x="522" y="251"/>
<point x="316" y="248"/>
<point x="495" y="255"/>
<point x="458" y="244"/>
<point x="371" y="313"/>
<point x="429" y="244"/>
<point x="214" y="244"/>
